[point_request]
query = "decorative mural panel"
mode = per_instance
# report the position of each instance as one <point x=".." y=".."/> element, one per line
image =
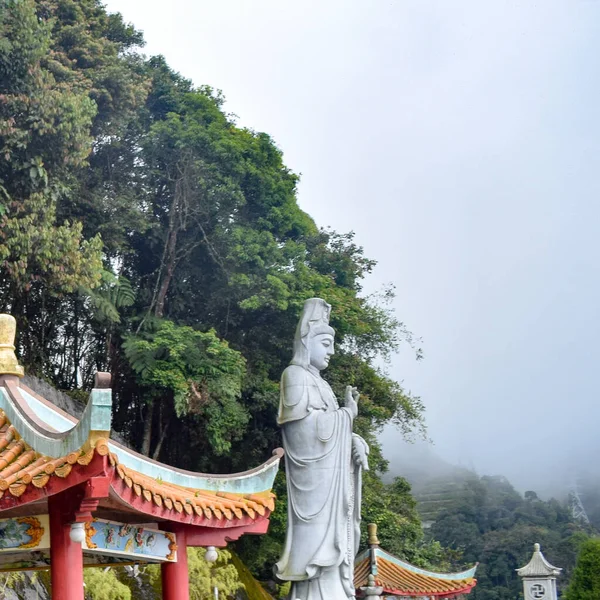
<point x="102" y="538"/>
<point x="24" y="533"/>
<point x="132" y="541"/>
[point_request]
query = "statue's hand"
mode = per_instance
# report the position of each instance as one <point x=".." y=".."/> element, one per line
<point x="351" y="399"/>
<point x="360" y="452"/>
<point x="352" y="394"/>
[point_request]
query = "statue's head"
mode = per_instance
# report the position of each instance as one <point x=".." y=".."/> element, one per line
<point x="320" y="350"/>
<point x="314" y="339"/>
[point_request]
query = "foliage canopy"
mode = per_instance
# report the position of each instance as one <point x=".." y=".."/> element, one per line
<point x="489" y="522"/>
<point x="585" y="581"/>
<point x="144" y="233"/>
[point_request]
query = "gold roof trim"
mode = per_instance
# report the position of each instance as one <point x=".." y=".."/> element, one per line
<point x="9" y="365"/>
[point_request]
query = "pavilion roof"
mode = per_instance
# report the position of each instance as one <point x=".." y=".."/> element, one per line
<point x="37" y="458"/>
<point x="400" y="578"/>
<point x="44" y="450"/>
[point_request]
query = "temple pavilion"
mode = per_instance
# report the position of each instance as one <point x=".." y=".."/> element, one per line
<point x="71" y="497"/>
<point x="380" y="574"/>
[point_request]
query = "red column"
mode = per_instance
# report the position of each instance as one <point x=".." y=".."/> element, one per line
<point x="66" y="557"/>
<point x="175" y="577"/>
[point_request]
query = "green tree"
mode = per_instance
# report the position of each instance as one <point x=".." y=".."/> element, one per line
<point x="65" y="85"/>
<point x="44" y="136"/>
<point x="199" y="374"/>
<point x="585" y="581"/>
<point x="145" y="233"/>
<point x="205" y="576"/>
<point x="104" y="585"/>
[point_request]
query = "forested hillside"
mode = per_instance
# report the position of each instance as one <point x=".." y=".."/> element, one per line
<point x="487" y="521"/>
<point x="142" y="232"/>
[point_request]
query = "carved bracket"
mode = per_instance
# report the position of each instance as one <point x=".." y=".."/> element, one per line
<point x="94" y="490"/>
<point x="211" y="536"/>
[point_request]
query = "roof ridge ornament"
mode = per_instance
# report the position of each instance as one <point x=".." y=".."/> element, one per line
<point x="9" y="365"/>
<point x="102" y="380"/>
<point x="372" y="529"/>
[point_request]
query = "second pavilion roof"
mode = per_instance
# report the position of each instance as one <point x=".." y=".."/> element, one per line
<point x="400" y="578"/>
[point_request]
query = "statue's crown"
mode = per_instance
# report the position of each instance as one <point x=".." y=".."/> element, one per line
<point x="315" y="318"/>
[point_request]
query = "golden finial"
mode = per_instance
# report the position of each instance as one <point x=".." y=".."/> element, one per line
<point x="8" y="360"/>
<point x="372" y="529"/>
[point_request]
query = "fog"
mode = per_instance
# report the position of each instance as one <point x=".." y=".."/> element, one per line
<point x="460" y="141"/>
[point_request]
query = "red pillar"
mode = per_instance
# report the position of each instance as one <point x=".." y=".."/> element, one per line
<point x="66" y="557"/>
<point x="175" y="577"/>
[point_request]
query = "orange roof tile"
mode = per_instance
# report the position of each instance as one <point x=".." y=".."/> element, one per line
<point x="220" y="505"/>
<point x="21" y="466"/>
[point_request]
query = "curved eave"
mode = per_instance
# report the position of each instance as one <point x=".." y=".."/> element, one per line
<point x="44" y="451"/>
<point x="188" y="515"/>
<point x="253" y="481"/>
<point x="235" y="512"/>
<point x="428" y="594"/>
<point x="43" y="421"/>
<point x="400" y="578"/>
<point x="69" y="474"/>
<point x="468" y="574"/>
<point x="46" y="439"/>
<point x="538" y="573"/>
<point x="188" y="505"/>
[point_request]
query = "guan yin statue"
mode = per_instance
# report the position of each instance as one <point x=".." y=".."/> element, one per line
<point x="324" y="462"/>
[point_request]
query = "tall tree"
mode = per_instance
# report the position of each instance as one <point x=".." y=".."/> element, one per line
<point x="585" y="581"/>
<point x="144" y="232"/>
<point x="45" y="123"/>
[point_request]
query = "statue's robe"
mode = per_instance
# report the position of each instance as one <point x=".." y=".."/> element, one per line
<point x="324" y="488"/>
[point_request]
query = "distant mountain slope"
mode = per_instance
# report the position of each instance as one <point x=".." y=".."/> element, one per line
<point x="443" y="493"/>
<point x="436" y="484"/>
<point x="486" y="520"/>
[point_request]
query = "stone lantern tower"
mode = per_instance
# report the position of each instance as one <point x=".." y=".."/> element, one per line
<point x="539" y="577"/>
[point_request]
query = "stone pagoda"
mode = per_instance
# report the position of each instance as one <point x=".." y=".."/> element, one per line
<point x="539" y="577"/>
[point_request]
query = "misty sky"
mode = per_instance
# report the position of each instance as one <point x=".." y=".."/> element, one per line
<point x="461" y="142"/>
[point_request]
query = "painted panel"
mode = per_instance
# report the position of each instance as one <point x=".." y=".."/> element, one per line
<point x="129" y="541"/>
<point x="24" y="533"/>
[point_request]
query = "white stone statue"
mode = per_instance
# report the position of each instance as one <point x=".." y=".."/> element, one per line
<point x="323" y="462"/>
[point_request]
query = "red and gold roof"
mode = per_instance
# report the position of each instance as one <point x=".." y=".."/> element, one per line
<point x="399" y="578"/>
<point x="43" y="451"/>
